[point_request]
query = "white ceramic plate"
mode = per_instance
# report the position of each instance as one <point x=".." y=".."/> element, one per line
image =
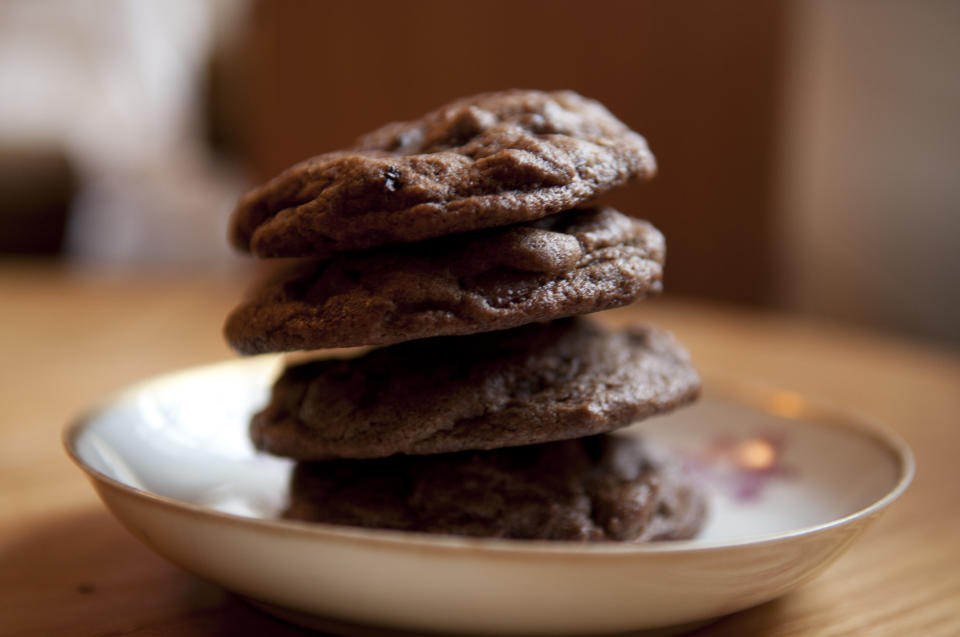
<point x="792" y="485"/>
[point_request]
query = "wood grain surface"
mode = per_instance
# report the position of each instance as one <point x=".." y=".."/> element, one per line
<point x="67" y="568"/>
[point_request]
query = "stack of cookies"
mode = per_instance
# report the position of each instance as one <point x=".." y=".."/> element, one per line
<point x="459" y="244"/>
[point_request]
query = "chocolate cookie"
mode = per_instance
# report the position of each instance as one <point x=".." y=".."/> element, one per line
<point x="489" y="160"/>
<point x="536" y="383"/>
<point x="592" y="489"/>
<point x="571" y="263"/>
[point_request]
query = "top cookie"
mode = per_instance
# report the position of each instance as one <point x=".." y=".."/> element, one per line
<point x="489" y="160"/>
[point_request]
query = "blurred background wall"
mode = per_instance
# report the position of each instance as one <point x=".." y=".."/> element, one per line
<point x="808" y="148"/>
<point x="868" y="209"/>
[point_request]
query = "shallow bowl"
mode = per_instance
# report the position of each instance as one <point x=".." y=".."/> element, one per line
<point x="791" y="485"/>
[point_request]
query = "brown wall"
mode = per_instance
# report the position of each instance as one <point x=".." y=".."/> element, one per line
<point x="696" y="78"/>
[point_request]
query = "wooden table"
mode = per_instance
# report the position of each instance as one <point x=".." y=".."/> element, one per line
<point x="67" y="568"/>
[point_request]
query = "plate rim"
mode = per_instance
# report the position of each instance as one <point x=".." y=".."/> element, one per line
<point x="738" y="390"/>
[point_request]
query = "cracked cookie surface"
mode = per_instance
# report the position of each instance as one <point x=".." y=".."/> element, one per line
<point x="599" y="488"/>
<point x="571" y="263"/>
<point x="489" y="160"/>
<point x="536" y="383"/>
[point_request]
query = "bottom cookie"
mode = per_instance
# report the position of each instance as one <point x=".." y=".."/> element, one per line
<point x="604" y="487"/>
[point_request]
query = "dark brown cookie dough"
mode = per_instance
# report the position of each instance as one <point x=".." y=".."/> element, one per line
<point x="566" y="264"/>
<point x="591" y="489"/>
<point x="537" y="383"/>
<point x="489" y="160"/>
